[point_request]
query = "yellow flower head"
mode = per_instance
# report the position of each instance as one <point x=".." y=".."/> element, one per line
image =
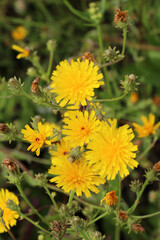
<point x="110" y="198"/>
<point x="74" y="82"/>
<point x="80" y="127"/>
<point x="52" y="126"/>
<point x="63" y="150"/>
<point x="78" y="176"/>
<point x="134" y="97"/>
<point x="19" y="33"/>
<point x="23" y="52"/>
<point x="9" y="216"/>
<point x="113" y="150"/>
<point x="37" y="138"/>
<point x="148" y="128"/>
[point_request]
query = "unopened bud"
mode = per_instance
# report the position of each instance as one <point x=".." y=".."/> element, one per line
<point x="40" y="179"/>
<point x="31" y="72"/>
<point x="129" y="84"/>
<point x="111" y="54"/>
<point x="3" y="128"/>
<point x="10" y="165"/>
<point x="79" y="224"/>
<point x="12" y="205"/>
<point x="51" y="45"/>
<point x="13" y="83"/>
<point x="135" y="186"/>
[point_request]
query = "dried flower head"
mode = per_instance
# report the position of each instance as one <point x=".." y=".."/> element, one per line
<point x="110" y="198"/>
<point x="136" y="227"/>
<point x="3" y="127"/>
<point x="123" y="215"/>
<point x="10" y="165"/>
<point x="34" y="87"/>
<point x="89" y="56"/>
<point x="156" y="167"/>
<point x="120" y="16"/>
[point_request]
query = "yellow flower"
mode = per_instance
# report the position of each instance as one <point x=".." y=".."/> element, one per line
<point x="113" y="150"/>
<point x="110" y="198"/>
<point x="23" y="52"/>
<point x="52" y="126"/>
<point x="9" y="216"/>
<point x="63" y="150"/>
<point x="74" y="83"/>
<point x="78" y="176"/>
<point x="134" y="97"/>
<point x="19" y="33"/>
<point x="148" y="128"/>
<point x="80" y="127"/>
<point x="37" y="138"/>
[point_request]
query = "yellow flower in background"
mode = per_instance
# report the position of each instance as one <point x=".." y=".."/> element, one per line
<point x="37" y="138"/>
<point x="110" y="198"/>
<point x="74" y="82"/>
<point x="23" y="52"/>
<point x="80" y="127"/>
<point x="19" y="33"/>
<point x="52" y="127"/>
<point x="79" y="176"/>
<point x="148" y="128"/>
<point x="113" y="150"/>
<point x="9" y="216"/>
<point x="134" y="97"/>
<point x="63" y="150"/>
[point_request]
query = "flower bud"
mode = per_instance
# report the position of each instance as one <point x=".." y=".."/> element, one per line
<point x="111" y="54"/>
<point x="51" y="45"/>
<point x="135" y="186"/>
<point x="12" y="205"/>
<point x="14" y="84"/>
<point x="79" y="224"/>
<point x="129" y="84"/>
<point x="3" y="128"/>
<point x="31" y="72"/>
<point x="40" y="179"/>
<point x="75" y="154"/>
<point x="97" y="236"/>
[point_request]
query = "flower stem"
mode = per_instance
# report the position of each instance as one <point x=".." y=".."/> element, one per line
<point x="8" y="230"/>
<point x="52" y="199"/>
<point x="50" y="63"/>
<point x="147" y="216"/>
<point x="124" y="40"/>
<point x="110" y="99"/>
<point x="99" y="217"/>
<point x="71" y="196"/>
<point x="133" y="207"/>
<point x="29" y="204"/>
<point x="117" y="230"/>
<point x="34" y="223"/>
<point x="103" y="60"/>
